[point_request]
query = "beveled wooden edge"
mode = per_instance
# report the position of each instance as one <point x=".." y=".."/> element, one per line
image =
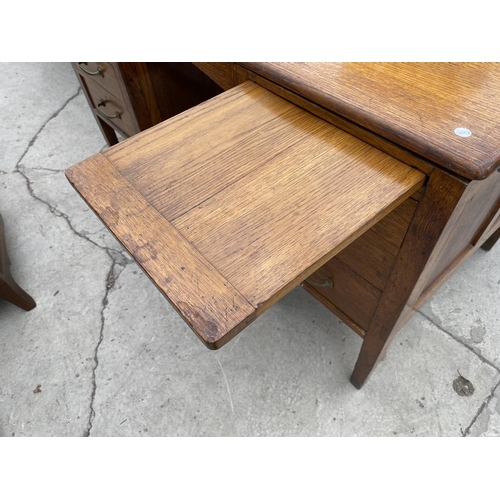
<point x="130" y="218"/>
<point x="264" y="306"/>
<point x="376" y="140"/>
<point x="229" y="75"/>
<point x="465" y="169"/>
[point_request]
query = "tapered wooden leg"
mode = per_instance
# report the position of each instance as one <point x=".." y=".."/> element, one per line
<point x="13" y="293"/>
<point x="9" y="289"/>
<point x="490" y="242"/>
<point x="428" y="230"/>
<point x="107" y="131"/>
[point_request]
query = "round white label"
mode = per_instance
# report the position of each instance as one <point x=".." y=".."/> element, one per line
<point x="463" y="132"/>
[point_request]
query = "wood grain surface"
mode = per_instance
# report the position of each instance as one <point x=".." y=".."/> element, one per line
<point x="107" y="78"/>
<point x="415" y="105"/>
<point x="350" y="293"/>
<point x="360" y="271"/>
<point x="206" y="301"/>
<point x="231" y="204"/>
<point x="111" y="104"/>
<point x="430" y="228"/>
<point x="373" y="254"/>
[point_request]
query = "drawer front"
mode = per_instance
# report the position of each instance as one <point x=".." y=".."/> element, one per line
<point x="102" y="73"/>
<point x="350" y="294"/>
<point x="360" y="272"/>
<point x="108" y="106"/>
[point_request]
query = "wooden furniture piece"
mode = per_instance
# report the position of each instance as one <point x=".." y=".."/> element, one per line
<point x="227" y="216"/>
<point x="130" y="97"/>
<point x="9" y="289"/>
<point x="220" y="205"/>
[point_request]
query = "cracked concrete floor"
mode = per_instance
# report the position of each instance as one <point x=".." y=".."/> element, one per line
<point x="103" y="354"/>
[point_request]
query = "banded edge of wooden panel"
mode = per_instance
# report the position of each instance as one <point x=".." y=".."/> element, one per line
<point x="210" y="305"/>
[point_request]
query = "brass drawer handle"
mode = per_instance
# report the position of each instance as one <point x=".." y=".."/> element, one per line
<point x="327" y="282"/>
<point x="112" y="117"/>
<point x="91" y="73"/>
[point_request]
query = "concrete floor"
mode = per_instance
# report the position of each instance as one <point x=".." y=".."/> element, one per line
<point x="110" y="357"/>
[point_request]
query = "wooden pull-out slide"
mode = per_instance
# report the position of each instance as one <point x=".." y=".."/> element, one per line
<point x="231" y="204"/>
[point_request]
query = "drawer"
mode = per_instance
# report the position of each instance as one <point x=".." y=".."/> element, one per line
<point x="346" y="293"/>
<point x="219" y="206"/>
<point x="108" y="106"/>
<point x="360" y="272"/>
<point x="103" y="73"/>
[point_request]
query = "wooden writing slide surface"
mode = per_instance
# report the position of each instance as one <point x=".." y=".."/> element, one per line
<point x="231" y="204"/>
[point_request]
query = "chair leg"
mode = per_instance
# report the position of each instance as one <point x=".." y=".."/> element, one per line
<point x="9" y="289"/>
<point x="490" y="242"/>
<point x="13" y="293"/>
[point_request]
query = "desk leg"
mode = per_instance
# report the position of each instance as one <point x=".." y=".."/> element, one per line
<point x="9" y="289"/>
<point x="108" y="132"/>
<point x="425" y="238"/>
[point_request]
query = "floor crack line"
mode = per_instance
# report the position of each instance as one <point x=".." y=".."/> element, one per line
<point x="461" y="342"/>
<point x="481" y="408"/>
<point x="35" y="137"/>
<point x="110" y="283"/>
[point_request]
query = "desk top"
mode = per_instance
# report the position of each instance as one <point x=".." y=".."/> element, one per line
<point x="231" y="204"/>
<point x="416" y="105"/>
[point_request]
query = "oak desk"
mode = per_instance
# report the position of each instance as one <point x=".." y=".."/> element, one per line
<point x="421" y="142"/>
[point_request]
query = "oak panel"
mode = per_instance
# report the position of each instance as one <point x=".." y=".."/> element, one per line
<point x="351" y="294"/>
<point x="309" y="189"/>
<point x="416" y="105"/>
<point x="483" y="201"/>
<point x="231" y="204"/>
<point x="429" y="230"/>
<point x="373" y="254"/>
<point x="206" y="301"/>
<point x="189" y="158"/>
